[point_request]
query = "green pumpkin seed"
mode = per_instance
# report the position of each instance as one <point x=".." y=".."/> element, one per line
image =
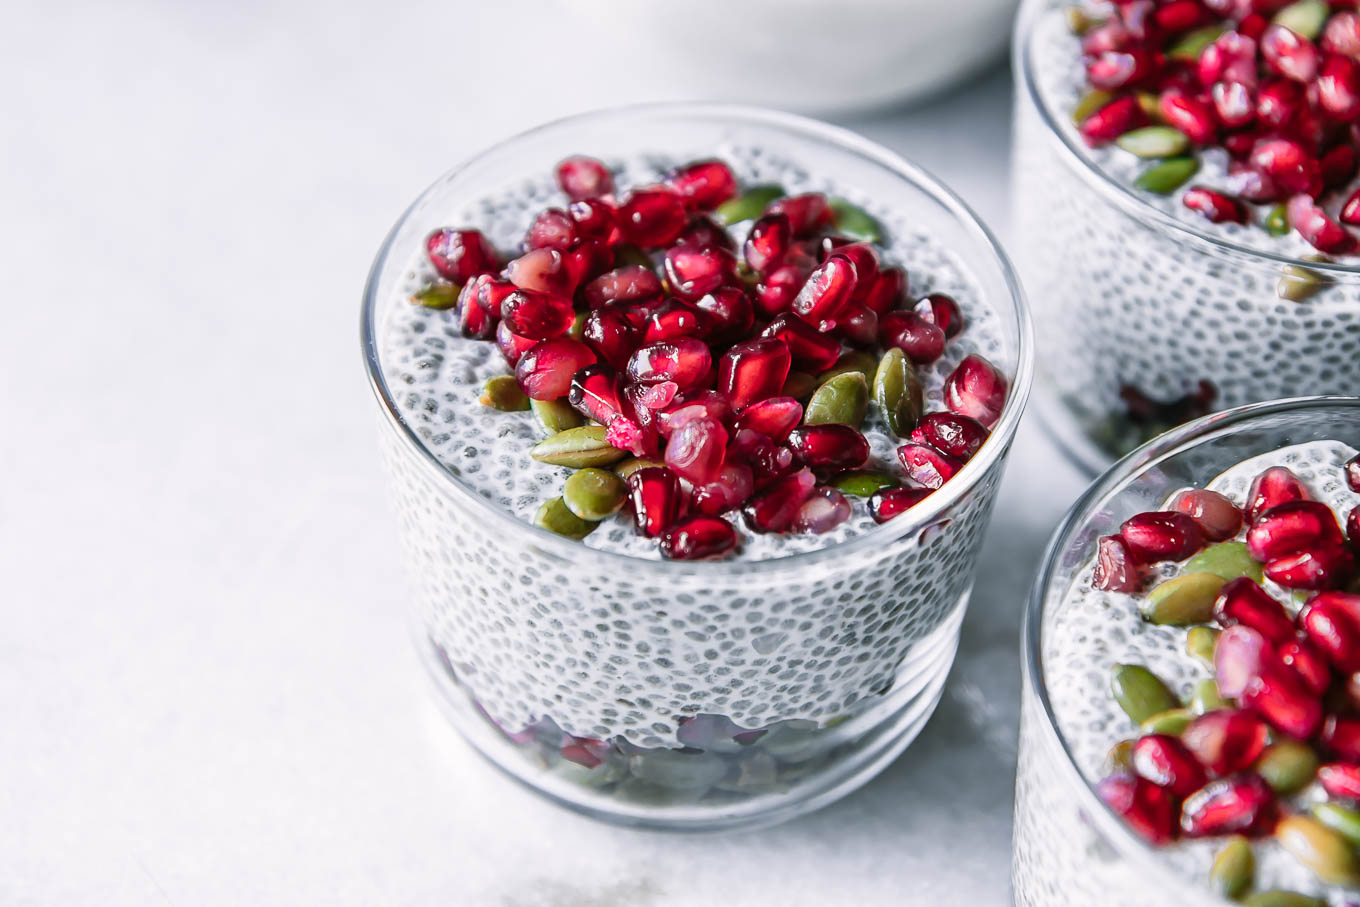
<point x="1324" y="851"/>
<point x="1234" y="868"/>
<point x="578" y="327"/>
<point x="844" y="400"/>
<point x="1305" y="18"/>
<point x="437" y="295"/>
<point x="503" y="392"/>
<point x="1154" y="141"/>
<point x="1276" y="221"/>
<point x="749" y="205"/>
<point x="898" y="392"/>
<point x="1192" y="44"/>
<point x="1140" y="693"/>
<point x="799" y="386"/>
<point x="1187" y="599"/>
<point x="1151" y="104"/>
<point x="1090" y="102"/>
<point x="1340" y="819"/>
<point x="555" y="516"/>
<point x="555" y="415"/>
<point x="1079" y="21"/>
<point x="854" y="222"/>
<point x="632" y="465"/>
<point x="1276" y="897"/>
<point x="1298" y="283"/>
<point x="863" y="482"/>
<point x="851" y="361"/>
<point x="629" y="254"/>
<point x="1199" y="643"/>
<point x="1119" y="758"/>
<point x="593" y="494"/>
<point x="1206" y="697"/>
<point x="1228" y="560"/>
<point x="578" y="448"/>
<point x="1287" y="766"/>
<point x="1168" y="176"/>
<point x="1172" y="721"/>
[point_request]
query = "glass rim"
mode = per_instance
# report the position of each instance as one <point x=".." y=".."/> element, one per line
<point x="844" y="140"/>
<point x="1120" y="194"/>
<point x="1135" y="464"/>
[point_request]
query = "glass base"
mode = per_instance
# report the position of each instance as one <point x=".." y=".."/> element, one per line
<point x="1066" y="431"/>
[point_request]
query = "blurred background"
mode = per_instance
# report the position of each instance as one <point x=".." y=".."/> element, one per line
<point x="207" y="692"/>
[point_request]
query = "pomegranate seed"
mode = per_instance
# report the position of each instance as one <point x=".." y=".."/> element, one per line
<point x="673" y="319"/>
<point x="1239" y="144"/>
<point x="1190" y="115"/>
<point x="1290" y="527"/>
<point x="958" y="436"/>
<point x="696" y="448"/>
<point x="865" y="260"/>
<point x="704" y="185"/>
<point x="775" y="508"/>
<point x="1338" y="88"/>
<point x="1324" y="566"/>
<point x="768" y="242"/>
<point x="829" y="446"/>
<point x="630" y="283"/>
<point x="976" y="389"/>
<point x="460" y="255"/>
<point x="1113" y="120"/>
<point x="1139" y="19"/>
<point x="1350" y="212"/>
<point x="594" y="392"/>
<point x="1353" y="527"/>
<point x="1242" y="601"/>
<point x="927" y="466"/>
<point x="1246" y="182"/>
<point x="858" y="324"/>
<point x="729" y="490"/>
<point x="1240" y="804"/>
<point x="1313" y="224"/>
<point x="512" y="346"/>
<point x="1288" y="164"/>
<point x="1217" y="516"/>
<point x="807" y="213"/>
<point x="478" y="306"/>
<point x="1341" y="35"/>
<point x="1215" y="206"/>
<point x="1340" y="780"/>
<point x="1225" y="740"/>
<point x="888" y="291"/>
<point x="1291" y="55"/>
<point x="1115" y="570"/>
<point x="655" y="494"/>
<point x="611" y="335"/>
<point x="583" y="177"/>
<point x="586" y="751"/>
<point x="1341" y="737"/>
<point x="1308" y="665"/>
<point x="1234" y="103"/>
<point x="823" y="510"/>
<point x="1164" y="760"/>
<point x="1239" y="655"/>
<point x="808" y="348"/>
<point x="921" y="339"/>
<point x="1278" y="103"/>
<point x="826" y="292"/>
<point x="753" y="371"/>
<point x="704" y="233"/>
<point x="698" y="537"/>
<point x="887" y="503"/>
<point x="776" y="292"/>
<point x="671" y="413"/>
<point x="1253" y="26"/>
<point x="774" y="417"/>
<point x="769" y="461"/>
<point x="942" y="311"/>
<point x="488" y="292"/>
<point x="1111" y="35"/>
<point x="1147" y="808"/>
<point x="697" y="271"/>
<point x="541" y="316"/>
<point x="542" y="271"/>
<point x="1116" y="69"/>
<point x="546" y="369"/>
<point x="551" y="228"/>
<point x="652" y="216"/>
<point x="594" y="218"/>
<point x="1180" y="15"/>
<point x="1277" y="696"/>
<point x="1331" y="620"/>
<point x="685" y="361"/>
<point x="1230" y="58"/>
<point x="1277" y="485"/>
<point x="729" y="310"/>
<point x="1163" y="535"/>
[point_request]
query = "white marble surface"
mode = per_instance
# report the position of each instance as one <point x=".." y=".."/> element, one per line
<point x="207" y="692"/>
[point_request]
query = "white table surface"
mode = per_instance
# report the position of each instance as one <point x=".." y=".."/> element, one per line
<point x="207" y="692"/>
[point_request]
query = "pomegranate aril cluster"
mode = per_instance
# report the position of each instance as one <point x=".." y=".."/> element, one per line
<point x="696" y="358"/>
<point x="1275" y="84"/>
<point x="1286" y="688"/>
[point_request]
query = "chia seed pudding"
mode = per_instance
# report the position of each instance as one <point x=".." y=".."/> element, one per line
<point x="1185" y="258"/>
<point x="723" y="619"/>
<point x="1200" y="681"/>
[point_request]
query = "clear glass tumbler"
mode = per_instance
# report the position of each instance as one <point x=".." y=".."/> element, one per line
<point x="1134" y="305"/>
<point x="689" y="695"/>
<point x="1069" y="849"/>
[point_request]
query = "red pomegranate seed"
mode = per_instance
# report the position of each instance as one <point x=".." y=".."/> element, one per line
<point x="1164" y="760"/>
<point x="808" y="348"/>
<point x="887" y="503"/>
<point x="865" y="259"/>
<point x="1239" y="144"/>
<point x="655" y="494"/>
<point x="1288" y="164"/>
<point x="1338" y="88"/>
<point x="1281" y="699"/>
<point x="1217" y="516"/>
<point x="696" y="449"/>
<point x="1225" y="740"/>
<point x="921" y="339"/>
<point x="976" y="389"/>
<point x="807" y="213"/>
<point x="1290" y="527"/>
<point x="1313" y="224"/>
<point x="698" y="537"/>
<point x="541" y="271"/>
<point x="693" y="271"/>
<point x="942" y="311"/>
<point x="473" y="320"/>
<point x="753" y="371"/>
<point x="551" y="228"/>
<point x="1276" y="486"/>
<point x="1240" y="804"/>
<point x="926" y="466"/>
<point x="1139" y="19"/>
<point x="1162" y="535"/>
<point x="460" y="255"/>
<point x="1215" y="206"/>
<point x="512" y="346"/>
<point x="1308" y="665"/>
<point x="1242" y="601"/>
<point x="729" y="311"/>
<point x="776" y="292"/>
<point x="1246" y="182"/>
<point x="1230" y="58"/>
<point x="1113" y="120"/>
<point x="1180" y="15"/>
<point x="1115" y="570"/>
<point x="1341" y="35"/>
<point x="652" y="216"/>
<point x="775" y="508"/>
<point x="611" y="335"/>
<point x="823" y="510"/>
<point x="1190" y="115"/>
<point x="1116" y="69"/>
<point x="826" y="292"/>
<point x="1147" y="808"/>
<point x="1323" y="566"/>
<point x="703" y="185"/>
<point x="1239" y="655"/>
<point x="1110" y="35"/>
<point x="594" y="392"/>
<point x="546" y="369"/>
<point x="1353" y="527"/>
<point x="768" y="242"/>
<point x="1278" y="102"/>
<point x="858" y="325"/>
<point x="541" y="316"/>
<point x="729" y="490"/>
<point x="685" y="361"/>
<point x="1234" y="103"/>
<point x="958" y="436"/>
<point x="594" y="218"/>
<point x="583" y="177"/>
<point x="829" y="446"/>
<point x="774" y="417"/>
<point x="769" y="461"/>
<point x="888" y="291"/>
<point x="1340" y="780"/>
<point x="1350" y="212"/>
<point x="1291" y="55"/>
<point x="674" y="319"/>
<point x="1341" y="737"/>
<point x="1331" y="621"/>
<point x="704" y="233"/>
<point x="586" y="751"/>
<point x="630" y="283"/>
<point x="671" y="413"/>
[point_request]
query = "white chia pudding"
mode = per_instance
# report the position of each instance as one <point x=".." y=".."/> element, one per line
<point x="704" y="684"/>
<point x="1095" y="637"/>
<point x="1155" y="304"/>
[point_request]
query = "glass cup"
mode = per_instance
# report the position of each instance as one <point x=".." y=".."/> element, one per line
<point x="689" y="695"/>
<point x="1068" y="847"/>
<point x="1145" y="320"/>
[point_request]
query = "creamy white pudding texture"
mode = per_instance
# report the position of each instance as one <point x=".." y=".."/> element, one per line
<point x="1091" y="631"/>
<point x="436" y="376"/>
